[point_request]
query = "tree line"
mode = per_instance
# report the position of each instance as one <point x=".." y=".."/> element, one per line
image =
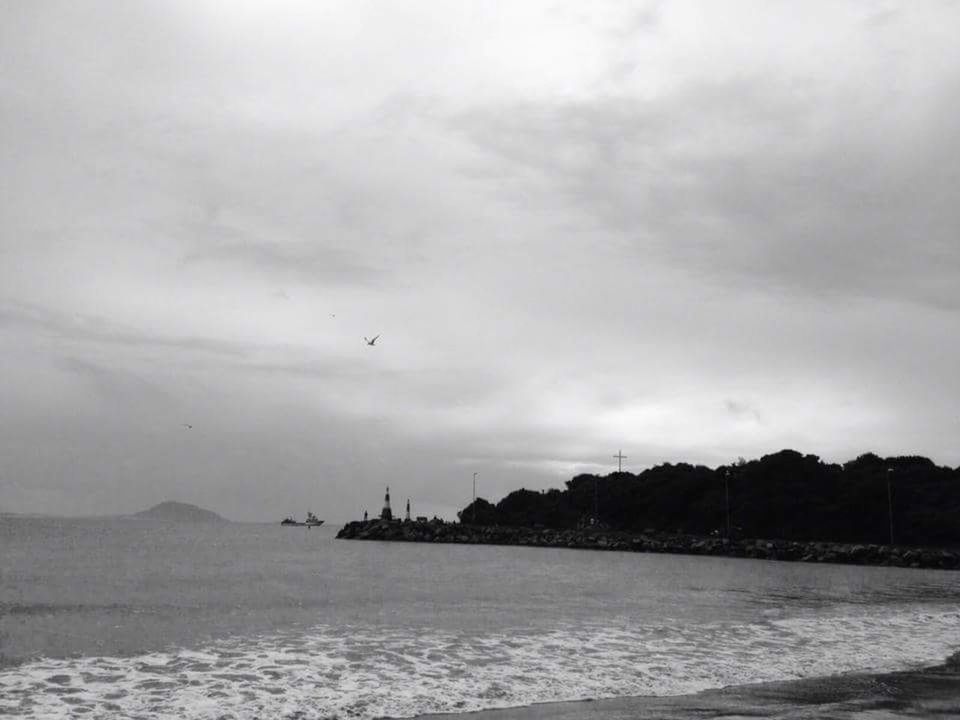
<point x="786" y="495"/>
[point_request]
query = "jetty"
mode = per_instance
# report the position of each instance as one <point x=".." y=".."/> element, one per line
<point x="652" y="541"/>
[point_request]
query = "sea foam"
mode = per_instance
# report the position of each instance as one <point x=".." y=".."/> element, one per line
<point x="368" y="672"/>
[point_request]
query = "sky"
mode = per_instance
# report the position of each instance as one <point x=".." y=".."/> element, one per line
<point x="690" y="231"/>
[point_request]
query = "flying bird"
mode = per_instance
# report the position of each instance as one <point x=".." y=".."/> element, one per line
<point x="188" y="427"/>
<point x="373" y="341"/>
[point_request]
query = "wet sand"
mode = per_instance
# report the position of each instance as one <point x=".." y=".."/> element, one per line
<point x="927" y="693"/>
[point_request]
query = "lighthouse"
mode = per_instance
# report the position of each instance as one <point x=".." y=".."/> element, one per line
<point x="386" y="513"/>
<point x="408" y="510"/>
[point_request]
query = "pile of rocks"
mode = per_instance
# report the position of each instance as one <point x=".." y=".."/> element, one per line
<point x="438" y="531"/>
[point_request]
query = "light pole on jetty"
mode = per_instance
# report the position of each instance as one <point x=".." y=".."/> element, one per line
<point x="890" y="502"/>
<point x="726" y="494"/>
<point x="475" y="498"/>
<point x="596" y="497"/>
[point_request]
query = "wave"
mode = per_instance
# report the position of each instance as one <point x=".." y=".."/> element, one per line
<point x="368" y="672"/>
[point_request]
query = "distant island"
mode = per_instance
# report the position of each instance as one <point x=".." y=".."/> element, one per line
<point x="179" y="512"/>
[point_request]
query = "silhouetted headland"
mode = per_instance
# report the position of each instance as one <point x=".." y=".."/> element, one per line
<point x="785" y="506"/>
<point x="179" y="512"/>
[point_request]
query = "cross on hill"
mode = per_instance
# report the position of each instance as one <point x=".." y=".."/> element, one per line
<point x="620" y="458"/>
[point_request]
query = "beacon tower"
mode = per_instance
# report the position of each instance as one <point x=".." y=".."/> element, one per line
<point x="386" y="513"/>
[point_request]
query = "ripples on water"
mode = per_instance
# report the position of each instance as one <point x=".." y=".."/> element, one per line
<point x="271" y="622"/>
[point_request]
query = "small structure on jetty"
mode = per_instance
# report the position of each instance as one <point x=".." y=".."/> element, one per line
<point x="386" y="513"/>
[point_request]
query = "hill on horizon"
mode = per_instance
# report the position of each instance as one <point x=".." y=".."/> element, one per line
<point x="179" y="512"/>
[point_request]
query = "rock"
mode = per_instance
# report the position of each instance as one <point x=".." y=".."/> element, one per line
<point x="651" y="541"/>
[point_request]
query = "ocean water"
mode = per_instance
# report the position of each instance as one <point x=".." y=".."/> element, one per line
<point x="126" y="618"/>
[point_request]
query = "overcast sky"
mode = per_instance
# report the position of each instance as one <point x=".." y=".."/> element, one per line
<point x="690" y="230"/>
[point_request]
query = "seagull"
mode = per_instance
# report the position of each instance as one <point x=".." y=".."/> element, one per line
<point x="188" y="427"/>
<point x="371" y="342"/>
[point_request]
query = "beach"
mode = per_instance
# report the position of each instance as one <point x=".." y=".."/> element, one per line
<point x="932" y="692"/>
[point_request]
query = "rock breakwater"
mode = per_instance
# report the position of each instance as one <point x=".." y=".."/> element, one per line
<point x="437" y="531"/>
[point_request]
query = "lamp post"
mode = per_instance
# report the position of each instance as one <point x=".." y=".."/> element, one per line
<point x="726" y="493"/>
<point x="890" y="502"/>
<point x="596" y="500"/>
<point x="475" y="498"/>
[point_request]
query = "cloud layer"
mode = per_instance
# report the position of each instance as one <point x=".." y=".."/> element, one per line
<point x="686" y="230"/>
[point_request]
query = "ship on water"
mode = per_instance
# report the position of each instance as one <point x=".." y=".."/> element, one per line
<point x="311" y="521"/>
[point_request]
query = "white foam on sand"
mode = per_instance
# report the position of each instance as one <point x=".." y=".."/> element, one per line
<point x="364" y="672"/>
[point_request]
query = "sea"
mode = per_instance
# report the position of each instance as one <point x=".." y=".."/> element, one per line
<point x="127" y="618"/>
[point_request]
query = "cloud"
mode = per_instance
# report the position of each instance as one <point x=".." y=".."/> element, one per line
<point x="750" y="182"/>
<point x="693" y="231"/>
<point x="81" y="328"/>
<point x="743" y="410"/>
<point x="113" y="385"/>
<point x="302" y="263"/>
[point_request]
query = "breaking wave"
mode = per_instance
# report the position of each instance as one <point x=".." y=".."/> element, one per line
<point x="369" y="672"/>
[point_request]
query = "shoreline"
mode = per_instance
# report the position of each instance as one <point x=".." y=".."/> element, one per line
<point x="929" y="692"/>
<point x="439" y="531"/>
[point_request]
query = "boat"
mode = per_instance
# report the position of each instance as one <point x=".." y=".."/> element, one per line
<point x="311" y="521"/>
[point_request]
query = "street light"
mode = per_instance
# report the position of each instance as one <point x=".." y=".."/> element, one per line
<point x="890" y="502"/>
<point x="726" y="492"/>
<point x="475" y="498"/>
<point x="596" y="500"/>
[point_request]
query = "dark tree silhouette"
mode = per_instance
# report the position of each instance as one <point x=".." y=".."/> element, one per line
<point x="485" y="513"/>
<point x="785" y="495"/>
